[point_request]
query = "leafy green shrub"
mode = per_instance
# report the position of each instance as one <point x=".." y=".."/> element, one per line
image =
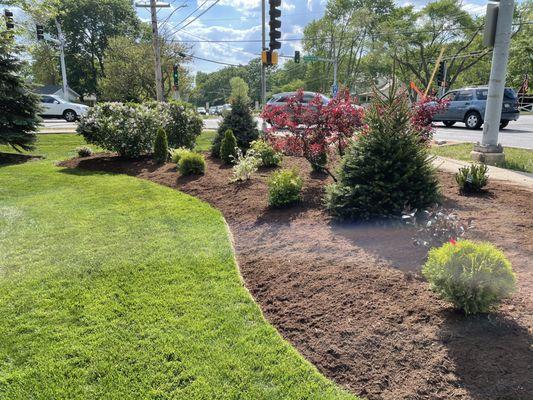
<point x="128" y="129"/>
<point x="245" y="166"/>
<point x="473" y="178"/>
<point x="228" y="147"/>
<point x="180" y="121"/>
<point x="242" y="124"/>
<point x="284" y="188"/>
<point x="191" y="164"/>
<point x="161" y="147"/>
<point x="176" y="154"/>
<point x="269" y="157"/>
<point x="475" y="277"/>
<point x="386" y="168"/>
<point x="84" y="151"/>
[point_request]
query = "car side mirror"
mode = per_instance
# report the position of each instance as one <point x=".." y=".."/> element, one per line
<point x="57" y="102"/>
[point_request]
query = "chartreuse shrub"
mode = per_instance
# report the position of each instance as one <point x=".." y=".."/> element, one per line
<point x="284" y="188"/>
<point x="241" y="122"/>
<point x="386" y="168"/>
<point x="264" y="150"/>
<point x="148" y="305"/>
<point x="191" y="164"/>
<point x="474" y="277"/>
<point x="472" y="178"/>
<point x="228" y="147"/>
<point x="176" y="154"/>
<point x="161" y="147"/>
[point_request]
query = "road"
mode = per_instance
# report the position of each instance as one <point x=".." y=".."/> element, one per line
<point x="517" y="134"/>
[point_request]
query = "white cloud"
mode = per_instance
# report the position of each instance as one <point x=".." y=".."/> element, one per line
<point x="474" y="9"/>
<point x="287" y="6"/>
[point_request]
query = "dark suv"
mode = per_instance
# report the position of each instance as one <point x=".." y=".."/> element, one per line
<point x="468" y="105"/>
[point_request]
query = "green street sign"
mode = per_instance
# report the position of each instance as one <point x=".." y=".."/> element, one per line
<point x="310" y="58"/>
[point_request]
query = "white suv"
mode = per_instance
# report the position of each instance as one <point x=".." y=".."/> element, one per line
<point x="54" y="106"/>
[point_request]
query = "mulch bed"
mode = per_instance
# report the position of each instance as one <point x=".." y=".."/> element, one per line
<point x="350" y="297"/>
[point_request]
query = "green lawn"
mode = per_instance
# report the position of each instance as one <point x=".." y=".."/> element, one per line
<point x="516" y="159"/>
<point x="113" y="287"/>
<point x="203" y="143"/>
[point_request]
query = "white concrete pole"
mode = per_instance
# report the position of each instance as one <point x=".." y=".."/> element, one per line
<point x="62" y="58"/>
<point x="157" y="51"/>
<point x="500" y="57"/>
<point x="263" y="44"/>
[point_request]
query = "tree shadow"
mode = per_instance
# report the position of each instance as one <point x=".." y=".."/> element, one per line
<point x="390" y="241"/>
<point x="15" y="158"/>
<point x="492" y="354"/>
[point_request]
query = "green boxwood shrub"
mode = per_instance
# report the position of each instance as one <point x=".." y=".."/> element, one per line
<point x="161" y="147"/>
<point x="386" y="169"/>
<point x="474" y="277"/>
<point x="264" y="150"/>
<point x="228" y="147"/>
<point x="284" y="188"/>
<point x="191" y="164"/>
<point x="473" y="178"/>
<point x="176" y="154"/>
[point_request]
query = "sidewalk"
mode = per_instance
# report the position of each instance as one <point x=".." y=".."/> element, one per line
<point x="523" y="179"/>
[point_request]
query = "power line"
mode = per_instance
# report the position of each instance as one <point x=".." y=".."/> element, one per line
<point x="213" y="61"/>
<point x="195" y="18"/>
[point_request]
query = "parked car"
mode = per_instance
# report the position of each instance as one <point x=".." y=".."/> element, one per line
<point x="220" y="109"/>
<point x="201" y="110"/>
<point x="226" y="107"/>
<point x="213" y="110"/>
<point x="468" y="105"/>
<point x="55" y="106"/>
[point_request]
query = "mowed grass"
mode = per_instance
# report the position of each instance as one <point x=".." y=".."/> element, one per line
<point x="204" y="141"/>
<point x="117" y="288"/>
<point x="515" y="159"/>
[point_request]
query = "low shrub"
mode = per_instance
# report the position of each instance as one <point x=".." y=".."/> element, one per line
<point x="245" y="166"/>
<point x="84" y="151"/>
<point x="264" y="150"/>
<point x="284" y="188"/>
<point x="228" y="147"/>
<point x="161" y="147"/>
<point x="474" y="277"/>
<point x="473" y="178"/>
<point x="191" y="164"/>
<point x="176" y="154"/>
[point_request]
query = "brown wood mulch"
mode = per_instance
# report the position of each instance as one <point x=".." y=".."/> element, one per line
<point x="350" y="297"/>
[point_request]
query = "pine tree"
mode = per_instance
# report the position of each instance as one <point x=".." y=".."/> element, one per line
<point x="18" y="106"/>
<point x="161" y="147"/>
<point x="386" y="169"/>
<point x="228" y="147"/>
<point x="241" y="122"/>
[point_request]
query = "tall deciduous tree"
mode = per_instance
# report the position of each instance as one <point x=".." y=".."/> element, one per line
<point x="18" y="105"/>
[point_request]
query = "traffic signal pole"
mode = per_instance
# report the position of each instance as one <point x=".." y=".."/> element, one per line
<point x="490" y="151"/>
<point x="62" y="57"/>
<point x="157" y="51"/>
<point x="263" y="47"/>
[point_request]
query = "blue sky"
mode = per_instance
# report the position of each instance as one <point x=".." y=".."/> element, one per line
<point x="241" y="20"/>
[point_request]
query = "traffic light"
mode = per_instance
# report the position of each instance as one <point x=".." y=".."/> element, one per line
<point x="40" y="32"/>
<point x="176" y="75"/>
<point x="269" y="57"/>
<point x="10" y="22"/>
<point x="297" y="57"/>
<point x="441" y="73"/>
<point x="274" y="24"/>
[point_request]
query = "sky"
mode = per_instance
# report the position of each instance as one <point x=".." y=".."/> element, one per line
<point x="241" y="20"/>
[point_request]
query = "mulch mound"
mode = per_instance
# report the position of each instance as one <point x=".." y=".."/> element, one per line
<point x="350" y="297"/>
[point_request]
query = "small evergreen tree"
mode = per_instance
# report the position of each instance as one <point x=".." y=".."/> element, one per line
<point x="18" y="106"/>
<point x="228" y="147"/>
<point x="161" y="147"/>
<point x="386" y="168"/>
<point x="241" y="122"/>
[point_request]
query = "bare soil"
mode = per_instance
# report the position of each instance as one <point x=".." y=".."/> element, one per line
<point x="350" y="297"/>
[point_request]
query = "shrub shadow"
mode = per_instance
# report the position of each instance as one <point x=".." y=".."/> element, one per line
<point x="492" y="355"/>
<point x="15" y="158"/>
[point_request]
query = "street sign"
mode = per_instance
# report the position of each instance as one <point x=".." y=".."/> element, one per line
<point x="310" y="58"/>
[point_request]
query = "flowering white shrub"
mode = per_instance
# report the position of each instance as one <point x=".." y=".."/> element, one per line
<point x="130" y="129"/>
<point x="245" y="165"/>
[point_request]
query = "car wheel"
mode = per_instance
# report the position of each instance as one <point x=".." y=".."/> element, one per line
<point x="473" y="120"/>
<point x="449" y="123"/>
<point x="70" y="115"/>
<point x="504" y="124"/>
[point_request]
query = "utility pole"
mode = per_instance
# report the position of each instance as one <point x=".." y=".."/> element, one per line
<point x="335" y="87"/>
<point x="490" y="151"/>
<point x="155" y="41"/>
<point x="263" y="44"/>
<point x="61" y="43"/>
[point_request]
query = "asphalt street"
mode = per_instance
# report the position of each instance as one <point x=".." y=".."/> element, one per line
<point x="517" y="134"/>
